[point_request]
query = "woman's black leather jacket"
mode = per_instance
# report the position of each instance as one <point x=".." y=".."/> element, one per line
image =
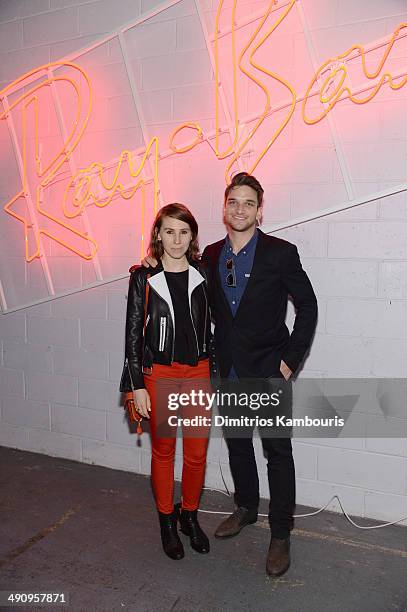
<point x="157" y="344"/>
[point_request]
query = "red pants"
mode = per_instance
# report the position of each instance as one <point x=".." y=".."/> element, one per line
<point x="183" y="380"/>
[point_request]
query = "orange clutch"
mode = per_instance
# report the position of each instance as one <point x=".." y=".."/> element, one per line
<point x="130" y="406"/>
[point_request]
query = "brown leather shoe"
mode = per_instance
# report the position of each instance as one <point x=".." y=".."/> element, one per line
<point x="278" y="558"/>
<point x="234" y="523"/>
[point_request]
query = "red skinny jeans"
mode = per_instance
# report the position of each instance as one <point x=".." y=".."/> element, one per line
<point x="183" y="379"/>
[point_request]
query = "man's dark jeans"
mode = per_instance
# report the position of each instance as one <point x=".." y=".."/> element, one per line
<point x="280" y="463"/>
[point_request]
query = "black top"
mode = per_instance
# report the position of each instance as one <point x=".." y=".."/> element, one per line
<point x="185" y="350"/>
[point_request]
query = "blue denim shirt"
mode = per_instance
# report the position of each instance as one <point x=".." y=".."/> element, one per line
<point x="243" y="263"/>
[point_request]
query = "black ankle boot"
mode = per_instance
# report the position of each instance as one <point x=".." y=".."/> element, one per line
<point x="189" y="526"/>
<point x="172" y="545"/>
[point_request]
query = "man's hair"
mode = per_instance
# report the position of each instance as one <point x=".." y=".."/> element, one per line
<point x="243" y="178"/>
<point x="182" y="213"/>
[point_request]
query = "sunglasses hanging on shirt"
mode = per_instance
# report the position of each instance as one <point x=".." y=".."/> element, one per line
<point x="231" y="273"/>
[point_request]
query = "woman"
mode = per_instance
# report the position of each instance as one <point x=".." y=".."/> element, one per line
<point x="167" y="341"/>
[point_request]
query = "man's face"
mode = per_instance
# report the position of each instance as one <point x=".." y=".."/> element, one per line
<point x="241" y="210"/>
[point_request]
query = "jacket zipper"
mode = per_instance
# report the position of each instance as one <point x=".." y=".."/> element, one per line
<point x="145" y="327"/>
<point x="173" y="344"/>
<point x="163" y="327"/>
<point x="193" y="325"/>
<point x="206" y="316"/>
<point x="173" y="339"/>
<point x="128" y="369"/>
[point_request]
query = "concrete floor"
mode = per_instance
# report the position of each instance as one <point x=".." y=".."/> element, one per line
<point x="92" y="533"/>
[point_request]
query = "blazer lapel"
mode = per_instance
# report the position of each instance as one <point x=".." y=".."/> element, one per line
<point x="216" y="277"/>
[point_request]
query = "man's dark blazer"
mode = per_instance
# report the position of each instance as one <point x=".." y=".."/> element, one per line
<point x="257" y="338"/>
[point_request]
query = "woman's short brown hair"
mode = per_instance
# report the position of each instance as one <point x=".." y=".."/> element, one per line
<point x="182" y="213"/>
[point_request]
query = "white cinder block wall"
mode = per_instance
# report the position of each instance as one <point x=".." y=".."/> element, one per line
<point x="61" y="360"/>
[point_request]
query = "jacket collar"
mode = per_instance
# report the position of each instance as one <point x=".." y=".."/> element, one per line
<point x="159" y="283"/>
<point x="218" y="246"/>
<point x="260" y="246"/>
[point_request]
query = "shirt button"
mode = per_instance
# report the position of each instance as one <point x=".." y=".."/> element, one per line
<point x="244" y="252"/>
<point x="233" y="302"/>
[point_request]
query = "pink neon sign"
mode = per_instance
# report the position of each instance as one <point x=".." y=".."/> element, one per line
<point x="329" y="85"/>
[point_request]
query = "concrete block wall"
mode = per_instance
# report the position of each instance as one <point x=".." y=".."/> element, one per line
<point x="61" y="361"/>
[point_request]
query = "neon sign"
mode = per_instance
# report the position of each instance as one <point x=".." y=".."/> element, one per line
<point x="85" y="186"/>
<point x="79" y="190"/>
<point x="47" y="173"/>
<point x="251" y="48"/>
<point x="336" y="69"/>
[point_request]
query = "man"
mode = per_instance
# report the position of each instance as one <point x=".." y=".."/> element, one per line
<point x="252" y="276"/>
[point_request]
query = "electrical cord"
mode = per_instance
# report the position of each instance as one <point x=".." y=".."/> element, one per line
<point x="311" y="513"/>
<point x="228" y="494"/>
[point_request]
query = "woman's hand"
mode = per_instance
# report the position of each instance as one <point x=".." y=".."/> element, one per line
<point x="142" y="402"/>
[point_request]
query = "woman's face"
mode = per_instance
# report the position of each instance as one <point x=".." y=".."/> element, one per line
<point x="175" y="236"/>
